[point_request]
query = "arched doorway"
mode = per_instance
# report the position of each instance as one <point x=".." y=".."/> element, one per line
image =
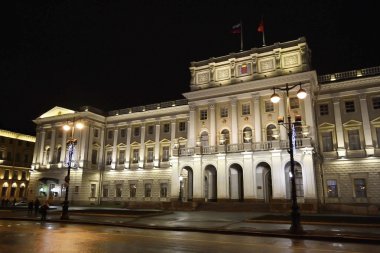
<point x="210" y="183"/>
<point x="264" y="181"/>
<point x="236" y="182"/>
<point x="186" y="185"/>
<point x="298" y="177"/>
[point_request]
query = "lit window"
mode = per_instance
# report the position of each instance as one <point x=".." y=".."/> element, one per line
<point x="360" y="188"/>
<point x="332" y="188"/>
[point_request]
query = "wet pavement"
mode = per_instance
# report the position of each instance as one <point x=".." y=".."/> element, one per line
<point x="331" y="227"/>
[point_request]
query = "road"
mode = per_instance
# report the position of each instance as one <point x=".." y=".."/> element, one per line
<point x="34" y="236"/>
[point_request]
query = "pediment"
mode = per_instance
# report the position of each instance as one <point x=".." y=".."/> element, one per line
<point x="352" y="123"/>
<point x="149" y="142"/>
<point x="164" y="141"/>
<point x="56" y="111"/>
<point x="326" y="125"/>
<point x="121" y="145"/>
<point x="135" y="143"/>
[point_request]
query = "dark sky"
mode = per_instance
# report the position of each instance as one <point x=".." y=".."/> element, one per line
<point x="117" y="54"/>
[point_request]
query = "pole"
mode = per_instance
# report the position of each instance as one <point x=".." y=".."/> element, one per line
<point x="65" y="207"/>
<point x="295" y="215"/>
<point x="241" y="36"/>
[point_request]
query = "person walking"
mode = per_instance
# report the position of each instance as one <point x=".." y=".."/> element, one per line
<point x="43" y="211"/>
<point x="36" y="205"/>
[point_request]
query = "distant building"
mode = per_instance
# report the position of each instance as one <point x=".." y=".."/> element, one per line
<point x="223" y="142"/>
<point x="16" y="154"/>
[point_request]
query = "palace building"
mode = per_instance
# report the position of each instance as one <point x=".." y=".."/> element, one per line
<point x="226" y="142"/>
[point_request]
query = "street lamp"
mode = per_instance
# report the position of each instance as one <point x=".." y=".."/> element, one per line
<point x="71" y="143"/>
<point x="296" y="226"/>
<point x="180" y="189"/>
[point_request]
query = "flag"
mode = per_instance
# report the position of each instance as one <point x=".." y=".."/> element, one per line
<point x="261" y="27"/>
<point x="236" y="28"/>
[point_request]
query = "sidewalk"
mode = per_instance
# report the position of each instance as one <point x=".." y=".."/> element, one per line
<point x="351" y="228"/>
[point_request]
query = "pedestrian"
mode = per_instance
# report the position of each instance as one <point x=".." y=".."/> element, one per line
<point x="43" y="211"/>
<point x="14" y="202"/>
<point x="30" y="207"/>
<point x="36" y="205"/>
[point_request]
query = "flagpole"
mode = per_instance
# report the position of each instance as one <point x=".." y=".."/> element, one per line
<point x="241" y="36"/>
<point x="263" y="39"/>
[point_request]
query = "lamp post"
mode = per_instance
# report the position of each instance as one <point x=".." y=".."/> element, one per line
<point x="296" y="226"/>
<point x="71" y="143"/>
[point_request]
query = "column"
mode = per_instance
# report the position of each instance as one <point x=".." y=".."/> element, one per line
<point x="83" y="135"/>
<point x="128" y="149"/>
<point x="52" y="146"/>
<point x="114" y="148"/>
<point x="248" y="177"/>
<point x="222" y="174"/>
<point x="212" y="124"/>
<point x="366" y="126"/>
<point x="157" y="145"/>
<point x="142" y="147"/>
<point x="35" y="152"/>
<point x="282" y="113"/>
<point x="308" y="174"/>
<point x="174" y="189"/>
<point x="278" y="176"/>
<point x="63" y="149"/>
<point x="172" y="135"/>
<point x="191" y="130"/>
<point x="234" y="121"/>
<point x="42" y="147"/>
<point x="309" y="113"/>
<point x="101" y="150"/>
<point x="339" y="128"/>
<point x="90" y="141"/>
<point x="257" y="118"/>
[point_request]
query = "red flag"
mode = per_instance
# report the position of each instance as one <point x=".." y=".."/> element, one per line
<point x="236" y="28"/>
<point x="261" y="27"/>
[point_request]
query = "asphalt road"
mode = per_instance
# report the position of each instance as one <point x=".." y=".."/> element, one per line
<point x="35" y="236"/>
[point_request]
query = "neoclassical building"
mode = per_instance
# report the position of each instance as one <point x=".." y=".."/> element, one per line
<point x="223" y="143"/>
<point x="16" y="153"/>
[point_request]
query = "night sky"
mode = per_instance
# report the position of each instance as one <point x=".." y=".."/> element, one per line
<point x="118" y="54"/>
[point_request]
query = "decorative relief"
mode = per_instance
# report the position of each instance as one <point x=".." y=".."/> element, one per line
<point x="291" y="60"/>
<point x="222" y="74"/>
<point x="266" y="65"/>
<point x="203" y="77"/>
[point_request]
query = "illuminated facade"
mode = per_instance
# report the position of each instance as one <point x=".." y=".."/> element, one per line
<point x="16" y="153"/>
<point x="223" y="142"/>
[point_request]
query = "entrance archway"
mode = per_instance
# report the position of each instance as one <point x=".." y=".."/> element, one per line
<point x="210" y="183"/>
<point x="186" y="186"/>
<point x="264" y="182"/>
<point x="236" y="182"/>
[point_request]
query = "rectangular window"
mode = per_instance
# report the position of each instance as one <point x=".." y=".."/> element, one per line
<point x="94" y="156"/>
<point x="122" y="133"/>
<point x="353" y="139"/>
<point x="203" y="114"/>
<point x="136" y="131"/>
<point x="96" y="133"/>
<point x="245" y="109"/>
<point x="93" y="191"/>
<point x="163" y="190"/>
<point x="110" y="134"/>
<point x="15" y="175"/>
<point x="166" y="128"/>
<point x="105" y="191"/>
<point x="135" y="155"/>
<point x="350" y="106"/>
<point x="109" y="158"/>
<point x="121" y="156"/>
<point x="360" y="188"/>
<point x="23" y="175"/>
<point x="165" y="153"/>
<point x="150" y="156"/>
<point x="269" y="106"/>
<point x="323" y="109"/>
<point x="150" y="129"/>
<point x="119" y="188"/>
<point x="224" y="112"/>
<point x="294" y="103"/>
<point x="132" y="190"/>
<point x="148" y="190"/>
<point x="332" y="188"/>
<point x="244" y="69"/>
<point x="327" y="142"/>
<point x="376" y="103"/>
<point x="182" y="126"/>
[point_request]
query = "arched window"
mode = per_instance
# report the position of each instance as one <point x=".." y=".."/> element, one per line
<point x="225" y="137"/>
<point x="47" y="155"/>
<point x="204" y="139"/>
<point x="59" y="152"/>
<point x="247" y="135"/>
<point x="270" y="132"/>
